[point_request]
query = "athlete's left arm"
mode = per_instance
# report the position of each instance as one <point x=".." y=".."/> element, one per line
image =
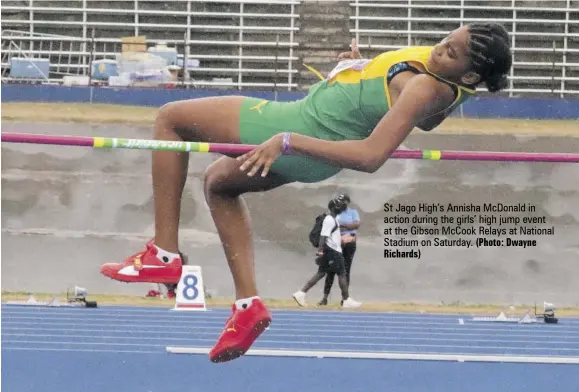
<point x="422" y="97"/>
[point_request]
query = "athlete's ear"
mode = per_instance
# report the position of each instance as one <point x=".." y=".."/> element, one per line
<point x="470" y="78"/>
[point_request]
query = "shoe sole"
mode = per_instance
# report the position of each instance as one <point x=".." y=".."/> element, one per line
<point x="232" y="353"/>
<point x="129" y="280"/>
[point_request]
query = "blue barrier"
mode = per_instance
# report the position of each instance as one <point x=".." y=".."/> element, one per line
<point x="123" y="96"/>
<point x="527" y="108"/>
<point x="481" y="107"/>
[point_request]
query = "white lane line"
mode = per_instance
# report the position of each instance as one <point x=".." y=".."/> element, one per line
<point x="115" y="339"/>
<point x="80" y="350"/>
<point x="292" y="352"/>
<point x="360" y="328"/>
<point x="310" y="321"/>
<point x="69" y="332"/>
<point x="292" y="332"/>
<point x="324" y="321"/>
<point x="321" y="314"/>
<point x="377" y="355"/>
<point x="291" y="313"/>
<point x="286" y="351"/>
<point x="345" y="333"/>
<point x="29" y="342"/>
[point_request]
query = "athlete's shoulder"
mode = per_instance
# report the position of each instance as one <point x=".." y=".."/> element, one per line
<point x="410" y="53"/>
<point x="425" y="84"/>
<point x="408" y="50"/>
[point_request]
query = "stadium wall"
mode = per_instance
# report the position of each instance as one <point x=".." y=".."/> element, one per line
<point x="482" y="107"/>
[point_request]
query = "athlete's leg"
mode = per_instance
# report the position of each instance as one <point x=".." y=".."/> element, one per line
<point x="224" y="185"/>
<point x="212" y="119"/>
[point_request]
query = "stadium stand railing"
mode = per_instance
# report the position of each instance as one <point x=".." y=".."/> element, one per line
<point x="227" y="43"/>
<point x="253" y="44"/>
<point x="544" y="35"/>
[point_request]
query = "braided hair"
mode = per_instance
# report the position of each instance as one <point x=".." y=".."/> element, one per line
<point x="490" y="54"/>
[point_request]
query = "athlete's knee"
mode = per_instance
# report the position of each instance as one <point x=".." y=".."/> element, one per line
<point x="177" y="121"/>
<point x="165" y="121"/>
<point x="215" y="181"/>
<point x="212" y="179"/>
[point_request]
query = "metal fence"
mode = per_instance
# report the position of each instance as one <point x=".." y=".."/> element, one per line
<point x="236" y="43"/>
<point x="253" y="44"/>
<point x="544" y="34"/>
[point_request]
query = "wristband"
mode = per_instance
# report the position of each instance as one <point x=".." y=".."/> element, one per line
<point x="285" y="146"/>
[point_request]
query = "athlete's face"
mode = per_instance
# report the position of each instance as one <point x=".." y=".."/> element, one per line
<point x="450" y="58"/>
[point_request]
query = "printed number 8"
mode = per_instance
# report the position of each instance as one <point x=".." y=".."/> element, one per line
<point x="190" y="283"/>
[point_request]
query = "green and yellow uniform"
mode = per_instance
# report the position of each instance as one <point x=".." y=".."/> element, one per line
<point x="347" y="105"/>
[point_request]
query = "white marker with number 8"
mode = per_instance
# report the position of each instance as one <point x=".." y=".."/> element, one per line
<point x="190" y="294"/>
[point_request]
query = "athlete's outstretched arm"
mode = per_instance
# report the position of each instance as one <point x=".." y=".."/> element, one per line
<point x="422" y="97"/>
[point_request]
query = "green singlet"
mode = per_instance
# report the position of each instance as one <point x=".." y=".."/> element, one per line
<point x="347" y="105"/>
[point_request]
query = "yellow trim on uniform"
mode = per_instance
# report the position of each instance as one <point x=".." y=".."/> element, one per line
<point x="315" y="71"/>
<point x="98" y="142"/>
<point x="418" y="54"/>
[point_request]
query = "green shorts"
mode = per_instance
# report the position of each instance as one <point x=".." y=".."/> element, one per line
<point x="259" y="120"/>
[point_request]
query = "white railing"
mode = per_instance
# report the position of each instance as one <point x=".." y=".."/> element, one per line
<point x="238" y="43"/>
<point x="252" y="43"/>
<point x="544" y="37"/>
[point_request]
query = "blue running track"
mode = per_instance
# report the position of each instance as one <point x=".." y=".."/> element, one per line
<point x="124" y="349"/>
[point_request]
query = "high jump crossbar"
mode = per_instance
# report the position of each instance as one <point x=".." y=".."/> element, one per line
<point x="239" y="149"/>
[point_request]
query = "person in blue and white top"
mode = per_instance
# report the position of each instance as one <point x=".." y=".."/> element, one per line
<point x="329" y="257"/>
<point x="349" y="220"/>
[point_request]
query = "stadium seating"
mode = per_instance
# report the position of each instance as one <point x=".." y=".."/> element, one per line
<point x="256" y="44"/>
<point x="544" y="35"/>
<point x="234" y="44"/>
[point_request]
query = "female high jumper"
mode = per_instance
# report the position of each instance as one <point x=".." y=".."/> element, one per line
<point x="355" y="119"/>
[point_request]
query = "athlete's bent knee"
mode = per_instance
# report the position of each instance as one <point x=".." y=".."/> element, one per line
<point x="164" y="124"/>
<point x="215" y="182"/>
